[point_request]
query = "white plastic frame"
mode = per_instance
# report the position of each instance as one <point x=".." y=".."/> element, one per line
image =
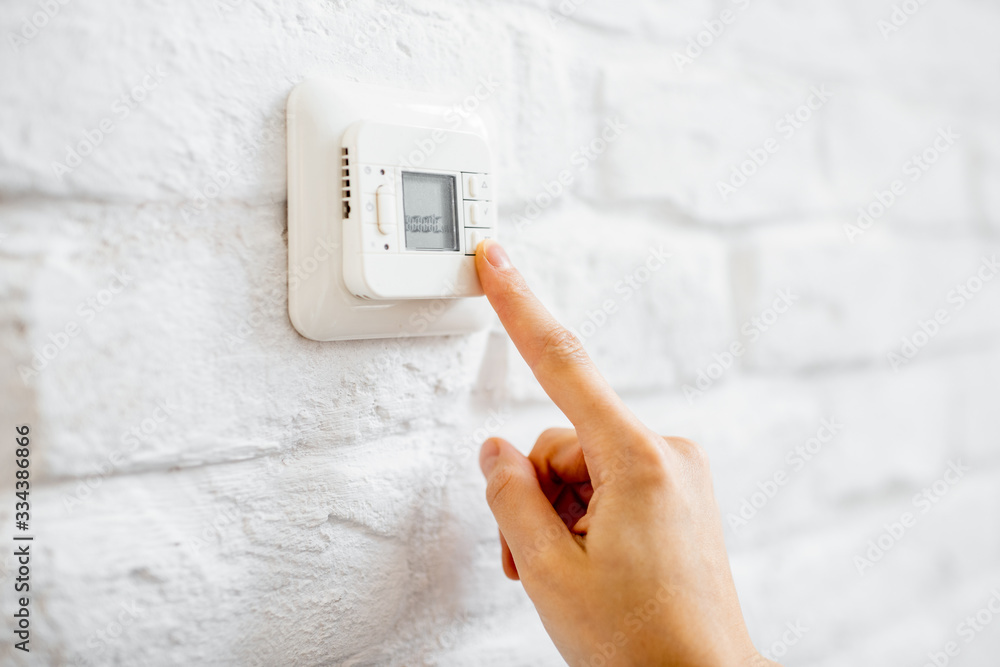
<point x="320" y="306"/>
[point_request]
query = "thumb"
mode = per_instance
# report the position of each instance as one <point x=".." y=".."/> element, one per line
<point x="538" y="539"/>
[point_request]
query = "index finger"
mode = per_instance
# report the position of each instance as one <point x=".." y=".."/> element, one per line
<point x="552" y="352"/>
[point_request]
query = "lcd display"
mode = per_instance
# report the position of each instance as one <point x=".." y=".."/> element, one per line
<point x="430" y="211"/>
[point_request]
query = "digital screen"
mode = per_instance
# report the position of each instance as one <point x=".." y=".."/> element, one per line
<point x="429" y="211"/>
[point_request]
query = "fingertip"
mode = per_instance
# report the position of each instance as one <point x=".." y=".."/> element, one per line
<point x="491" y="270"/>
<point x="494" y="254"/>
<point x="488" y="455"/>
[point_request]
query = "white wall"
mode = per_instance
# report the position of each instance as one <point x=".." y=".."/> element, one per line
<point x="291" y="502"/>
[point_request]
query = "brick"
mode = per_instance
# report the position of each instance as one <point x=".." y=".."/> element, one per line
<point x="858" y="301"/>
<point x="878" y="145"/>
<point x="689" y="130"/>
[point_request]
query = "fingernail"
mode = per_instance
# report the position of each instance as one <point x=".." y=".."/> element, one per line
<point x="488" y="456"/>
<point x="496" y="255"/>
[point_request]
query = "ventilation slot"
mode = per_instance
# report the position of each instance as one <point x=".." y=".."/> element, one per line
<point x="345" y="180"/>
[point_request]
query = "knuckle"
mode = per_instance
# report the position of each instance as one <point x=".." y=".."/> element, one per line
<point x="644" y="464"/>
<point x="543" y="447"/>
<point x="552" y="438"/>
<point x="654" y="468"/>
<point x="691" y="452"/>
<point x="659" y="462"/>
<point x="560" y="346"/>
<point x="554" y="433"/>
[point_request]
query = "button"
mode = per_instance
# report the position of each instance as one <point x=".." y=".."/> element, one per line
<point x="473" y="237"/>
<point x="478" y="186"/>
<point x="479" y="214"/>
<point x="385" y="203"/>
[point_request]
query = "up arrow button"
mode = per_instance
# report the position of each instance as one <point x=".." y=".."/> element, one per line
<point x="478" y="186"/>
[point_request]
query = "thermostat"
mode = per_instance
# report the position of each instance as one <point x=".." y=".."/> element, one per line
<point x="389" y="194"/>
<point x="410" y="232"/>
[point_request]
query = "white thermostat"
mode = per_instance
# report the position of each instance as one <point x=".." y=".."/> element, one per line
<point x="389" y="194"/>
<point x="409" y="232"/>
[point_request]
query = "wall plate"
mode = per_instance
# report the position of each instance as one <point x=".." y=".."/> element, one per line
<point x="320" y="305"/>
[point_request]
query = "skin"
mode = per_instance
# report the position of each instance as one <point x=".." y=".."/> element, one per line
<point x="612" y="530"/>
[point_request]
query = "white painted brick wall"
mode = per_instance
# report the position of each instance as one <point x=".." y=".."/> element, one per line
<point x="281" y="501"/>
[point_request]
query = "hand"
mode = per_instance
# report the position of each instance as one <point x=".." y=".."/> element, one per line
<point x="612" y="529"/>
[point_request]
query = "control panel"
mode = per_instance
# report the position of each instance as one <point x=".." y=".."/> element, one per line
<point x="410" y="232"/>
